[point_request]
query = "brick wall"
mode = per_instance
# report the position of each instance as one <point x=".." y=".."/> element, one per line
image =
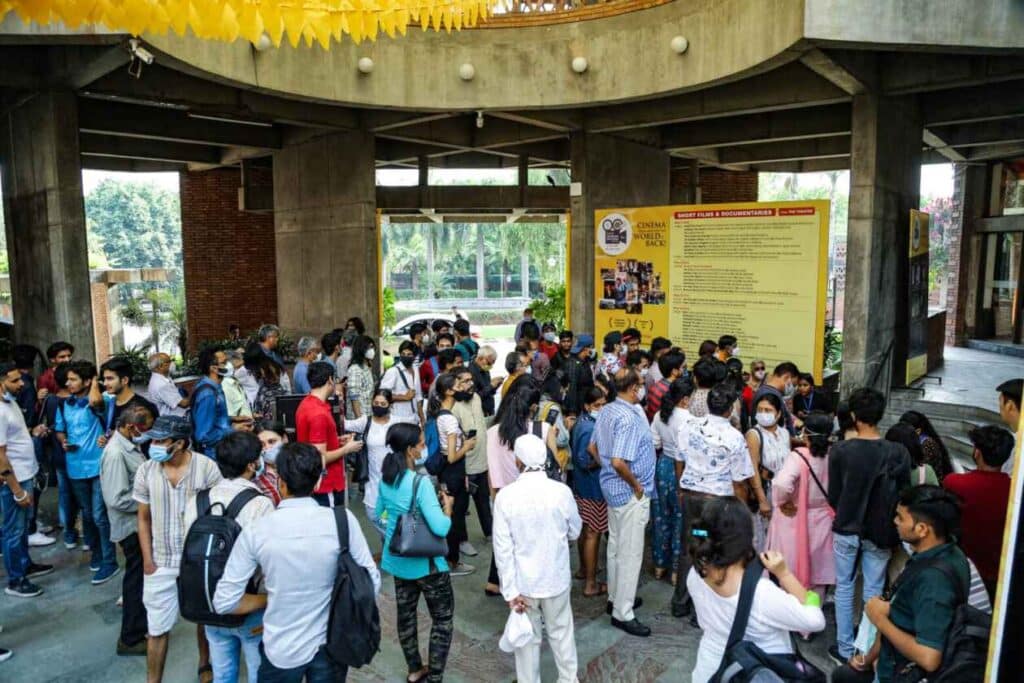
<point x="228" y="257"/>
<point x="718" y="186"/>
<point x="100" y="320"/>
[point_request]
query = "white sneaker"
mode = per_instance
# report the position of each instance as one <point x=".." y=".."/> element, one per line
<point x="70" y="546"/>
<point x="466" y="548"/>
<point x="39" y="539"/>
<point x="44" y="528"/>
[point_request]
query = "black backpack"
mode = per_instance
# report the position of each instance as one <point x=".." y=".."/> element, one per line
<point x="745" y="662"/>
<point x="881" y="501"/>
<point x="353" y="626"/>
<point x="965" y="655"/>
<point x="207" y="548"/>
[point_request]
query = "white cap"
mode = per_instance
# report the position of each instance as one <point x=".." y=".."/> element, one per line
<point x="518" y="631"/>
<point x="531" y="451"/>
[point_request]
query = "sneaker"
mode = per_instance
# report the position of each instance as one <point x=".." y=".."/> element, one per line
<point x="44" y="528"/>
<point x="833" y="653"/>
<point x="70" y="545"/>
<point x="23" y="589"/>
<point x="39" y="539"/>
<point x="105" y="574"/>
<point x="466" y="548"/>
<point x="94" y="566"/>
<point x="36" y="570"/>
<point x="462" y="569"/>
<point x="5" y="654"/>
<point x="136" y="650"/>
<point x="85" y="547"/>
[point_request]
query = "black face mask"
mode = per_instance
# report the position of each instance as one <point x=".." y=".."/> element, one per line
<point x="380" y="411"/>
<point x="406" y="361"/>
<point x="463" y="395"/>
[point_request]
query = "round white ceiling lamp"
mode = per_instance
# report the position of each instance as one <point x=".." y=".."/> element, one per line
<point x="467" y="71"/>
<point x="365" y="65"/>
<point x="579" y="64"/>
<point x="679" y="44"/>
<point x="264" y="43"/>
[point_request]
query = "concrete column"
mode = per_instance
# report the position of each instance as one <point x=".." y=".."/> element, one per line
<point x="45" y="220"/>
<point x="325" y="231"/>
<point x="885" y="181"/>
<point x="970" y="199"/>
<point x="613" y="173"/>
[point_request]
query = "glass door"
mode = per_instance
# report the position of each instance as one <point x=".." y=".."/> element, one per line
<point x="1003" y="285"/>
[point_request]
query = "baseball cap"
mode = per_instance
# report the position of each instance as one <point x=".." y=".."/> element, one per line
<point x="582" y="342"/>
<point x="169" y="427"/>
<point x="613" y="339"/>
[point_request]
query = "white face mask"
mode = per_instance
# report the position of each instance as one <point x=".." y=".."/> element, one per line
<point x="767" y="419"/>
<point x="736" y="352"/>
<point x="370" y="354"/>
<point x="790" y="389"/>
<point x="529" y="369"/>
<point x="644" y="372"/>
<point x="759" y="375"/>
<point x="550" y="337"/>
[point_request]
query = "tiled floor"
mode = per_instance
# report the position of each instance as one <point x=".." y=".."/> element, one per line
<point x="69" y="634"/>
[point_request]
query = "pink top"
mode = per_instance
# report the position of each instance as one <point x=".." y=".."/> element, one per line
<point x="501" y="461"/>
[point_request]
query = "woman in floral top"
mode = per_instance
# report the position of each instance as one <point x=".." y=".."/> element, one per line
<point x="360" y="378"/>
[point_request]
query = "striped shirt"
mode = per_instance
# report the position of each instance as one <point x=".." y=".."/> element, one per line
<point x="622" y="432"/>
<point x="167" y="503"/>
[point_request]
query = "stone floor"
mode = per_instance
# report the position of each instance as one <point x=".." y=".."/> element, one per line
<point x="68" y="634"/>
<point x="970" y="377"/>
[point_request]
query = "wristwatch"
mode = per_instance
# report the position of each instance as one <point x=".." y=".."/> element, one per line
<point x="6" y="473"/>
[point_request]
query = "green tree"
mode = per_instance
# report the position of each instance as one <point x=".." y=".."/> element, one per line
<point x="135" y="225"/>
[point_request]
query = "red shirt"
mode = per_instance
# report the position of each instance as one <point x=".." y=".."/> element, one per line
<point x="654" y="396"/>
<point x="47" y="381"/>
<point x="548" y="349"/>
<point x="315" y="424"/>
<point x="986" y="497"/>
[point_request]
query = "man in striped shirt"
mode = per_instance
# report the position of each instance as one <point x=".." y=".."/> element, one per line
<point x="163" y="485"/>
<point x="671" y="367"/>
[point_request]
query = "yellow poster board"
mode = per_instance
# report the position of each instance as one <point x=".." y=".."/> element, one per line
<point x="917" y="343"/>
<point x="755" y="270"/>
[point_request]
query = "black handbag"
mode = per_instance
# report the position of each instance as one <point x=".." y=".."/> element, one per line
<point x="412" y="536"/>
<point x="360" y="460"/>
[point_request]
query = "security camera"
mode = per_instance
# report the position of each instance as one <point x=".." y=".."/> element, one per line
<point x="139" y="52"/>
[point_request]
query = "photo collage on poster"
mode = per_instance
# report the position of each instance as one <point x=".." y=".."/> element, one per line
<point x="630" y="286"/>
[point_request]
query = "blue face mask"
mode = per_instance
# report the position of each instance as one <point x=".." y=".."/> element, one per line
<point x="9" y="397"/>
<point x="139" y="440"/>
<point x="159" y="453"/>
<point x="260" y="468"/>
<point x="270" y="455"/>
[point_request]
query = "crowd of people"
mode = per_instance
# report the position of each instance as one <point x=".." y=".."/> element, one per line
<point x="704" y="471"/>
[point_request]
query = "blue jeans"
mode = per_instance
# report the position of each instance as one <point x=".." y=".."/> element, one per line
<point x="15" y="533"/>
<point x="227" y="644"/>
<point x="320" y="669"/>
<point x="667" y="516"/>
<point x="873" y="563"/>
<point x="67" y="506"/>
<point x="95" y="524"/>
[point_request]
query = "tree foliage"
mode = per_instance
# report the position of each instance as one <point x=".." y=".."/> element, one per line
<point x="135" y="225"/>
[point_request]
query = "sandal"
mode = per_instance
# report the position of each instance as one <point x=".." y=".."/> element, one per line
<point x="204" y="671"/>
<point x="602" y="590"/>
<point x="659" y="573"/>
<point x="418" y="676"/>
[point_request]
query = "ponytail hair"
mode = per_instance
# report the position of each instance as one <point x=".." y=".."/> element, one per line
<point x="818" y="430"/>
<point x="677" y="391"/>
<point x="400" y="438"/>
<point x="721" y="536"/>
<point x="445" y="383"/>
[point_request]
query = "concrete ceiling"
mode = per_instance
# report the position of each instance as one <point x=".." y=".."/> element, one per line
<point x="793" y="118"/>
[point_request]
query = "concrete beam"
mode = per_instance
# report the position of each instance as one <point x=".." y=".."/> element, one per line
<point x="163" y="86"/>
<point x="563" y="121"/>
<point x="789" y="87"/>
<point x="96" y="163"/>
<point x="805" y="166"/>
<point x="796" y="150"/>
<point x="378" y="121"/>
<point x="854" y="73"/>
<point x="967" y="105"/>
<point x="97" y="66"/>
<point x="759" y="128"/>
<point x="1009" y="150"/>
<point x="941" y="146"/>
<point x="160" y="123"/>
<point x="95" y="145"/>
<point x="912" y="72"/>
<point x="982" y="133"/>
<point x="473" y="197"/>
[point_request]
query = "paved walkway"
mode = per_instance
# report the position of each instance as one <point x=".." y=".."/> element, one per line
<point x="970" y="377"/>
<point x="69" y="633"/>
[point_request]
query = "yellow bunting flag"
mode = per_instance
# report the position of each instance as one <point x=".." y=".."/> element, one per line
<point x="311" y="21"/>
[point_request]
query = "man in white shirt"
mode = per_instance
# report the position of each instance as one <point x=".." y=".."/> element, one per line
<point x="18" y="467"/>
<point x="717" y="462"/>
<point x="162" y="390"/>
<point x="403" y="380"/>
<point x="296" y="546"/>
<point x="240" y="460"/>
<point x="534" y="519"/>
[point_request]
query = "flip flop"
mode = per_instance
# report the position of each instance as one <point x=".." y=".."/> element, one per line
<point x="600" y="591"/>
<point x="203" y="670"/>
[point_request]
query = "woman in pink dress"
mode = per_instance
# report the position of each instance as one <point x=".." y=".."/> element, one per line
<point x="801" y="525"/>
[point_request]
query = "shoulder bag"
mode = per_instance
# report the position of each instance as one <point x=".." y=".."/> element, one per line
<point x="412" y="536"/>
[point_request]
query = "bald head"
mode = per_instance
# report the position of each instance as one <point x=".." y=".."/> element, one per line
<point x="160" y="363"/>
